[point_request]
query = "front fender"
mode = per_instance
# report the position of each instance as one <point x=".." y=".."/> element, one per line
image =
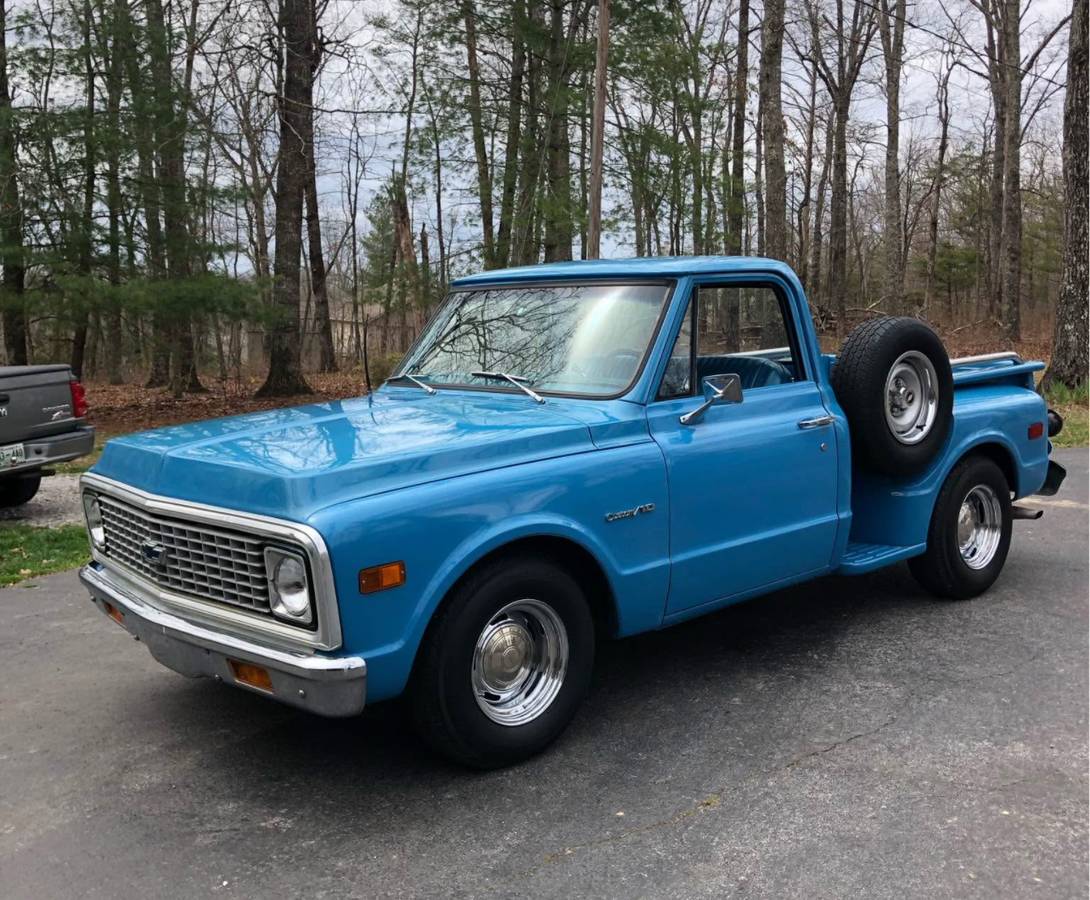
<point x="442" y="529"/>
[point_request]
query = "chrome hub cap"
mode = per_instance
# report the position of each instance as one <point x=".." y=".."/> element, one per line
<point x="980" y="526"/>
<point x="519" y="662"/>
<point x="912" y="397"/>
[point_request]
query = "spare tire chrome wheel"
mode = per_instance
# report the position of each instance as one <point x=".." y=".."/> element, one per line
<point x="893" y="381"/>
<point x="912" y="397"/>
<point x="520" y="662"/>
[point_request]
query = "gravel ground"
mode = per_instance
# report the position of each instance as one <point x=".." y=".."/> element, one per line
<point x="56" y="503"/>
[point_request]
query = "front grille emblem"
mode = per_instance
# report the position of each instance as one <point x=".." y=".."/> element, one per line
<point x="156" y="554"/>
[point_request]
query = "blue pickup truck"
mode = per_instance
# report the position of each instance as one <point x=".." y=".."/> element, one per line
<point x="568" y="453"/>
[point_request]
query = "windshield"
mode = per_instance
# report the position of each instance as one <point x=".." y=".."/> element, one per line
<point x="573" y="339"/>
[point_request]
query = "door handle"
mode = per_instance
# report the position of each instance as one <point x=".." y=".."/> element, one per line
<point x="819" y="422"/>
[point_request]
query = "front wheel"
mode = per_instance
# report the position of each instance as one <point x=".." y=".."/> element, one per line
<point x="505" y="664"/>
<point x="970" y="532"/>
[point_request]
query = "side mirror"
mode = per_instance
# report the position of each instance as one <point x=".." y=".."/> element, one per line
<point x="717" y="389"/>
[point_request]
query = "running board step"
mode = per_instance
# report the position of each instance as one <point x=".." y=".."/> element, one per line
<point x="859" y="558"/>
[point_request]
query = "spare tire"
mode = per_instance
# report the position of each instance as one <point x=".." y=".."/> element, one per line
<point x="893" y="381"/>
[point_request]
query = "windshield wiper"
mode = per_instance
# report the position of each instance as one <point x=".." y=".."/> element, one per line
<point x="517" y="380"/>
<point x="405" y="376"/>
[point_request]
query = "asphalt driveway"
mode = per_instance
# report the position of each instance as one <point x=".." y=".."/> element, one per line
<point x="849" y="738"/>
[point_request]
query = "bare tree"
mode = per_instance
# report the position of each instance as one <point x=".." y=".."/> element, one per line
<point x="11" y="219"/>
<point x="891" y="28"/>
<point x="1069" y="349"/>
<point x="942" y="105"/>
<point x="285" y="376"/>
<point x="850" y="38"/>
<point x="771" y="81"/>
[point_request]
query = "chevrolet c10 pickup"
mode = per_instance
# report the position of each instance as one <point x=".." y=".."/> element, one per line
<point x="568" y="453"/>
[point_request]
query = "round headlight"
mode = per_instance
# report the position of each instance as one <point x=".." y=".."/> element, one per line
<point x="93" y="513"/>
<point x="290" y="581"/>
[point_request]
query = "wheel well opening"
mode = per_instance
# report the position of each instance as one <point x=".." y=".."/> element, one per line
<point x="1001" y="456"/>
<point x="577" y="560"/>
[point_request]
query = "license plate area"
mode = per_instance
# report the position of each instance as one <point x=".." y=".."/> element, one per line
<point x="12" y="455"/>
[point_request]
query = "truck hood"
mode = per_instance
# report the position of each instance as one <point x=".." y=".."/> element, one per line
<point x="291" y="462"/>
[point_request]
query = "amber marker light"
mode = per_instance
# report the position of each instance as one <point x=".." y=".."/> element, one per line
<point x="114" y="613"/>
<point x="251" y="675"/>
<point x="381" y="578"/>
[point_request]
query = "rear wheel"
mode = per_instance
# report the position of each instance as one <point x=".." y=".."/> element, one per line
<point x="970" y="532"/>
<point x="505" y="664"/>
<point x="19" y="489"/>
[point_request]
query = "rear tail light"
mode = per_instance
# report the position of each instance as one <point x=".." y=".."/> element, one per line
<point x="79" y="399"/>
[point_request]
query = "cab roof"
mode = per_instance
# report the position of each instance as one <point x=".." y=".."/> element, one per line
<point x="644" y="267"/>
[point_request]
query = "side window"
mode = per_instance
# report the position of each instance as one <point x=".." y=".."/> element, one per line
<point x="739" y="329"/>
<point x="676" y="379"/>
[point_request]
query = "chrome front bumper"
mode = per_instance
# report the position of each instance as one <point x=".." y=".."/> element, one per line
<point x="329" y="686"/>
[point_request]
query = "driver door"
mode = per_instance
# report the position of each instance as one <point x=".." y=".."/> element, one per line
<point x="753" y="485"/>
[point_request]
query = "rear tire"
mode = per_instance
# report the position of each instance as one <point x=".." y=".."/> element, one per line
<point x="504" y="664"/>
<point x="19" y="489"/>
<point x="970" y="532"/>
<point x="893" y="380"/>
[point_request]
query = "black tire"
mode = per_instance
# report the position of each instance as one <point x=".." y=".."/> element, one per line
<point x="19" y="489"/>
<point x="942" y="569"/>
<point x="859" y="378"/>
<point x="443" y="703"/>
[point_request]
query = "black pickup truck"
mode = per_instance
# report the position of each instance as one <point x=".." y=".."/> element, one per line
<point x="43" y="420"/>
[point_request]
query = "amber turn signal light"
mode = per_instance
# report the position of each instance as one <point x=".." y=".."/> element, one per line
<point x="381" y="578"/>
<point x="251" y="675"/>
<point x="114" y="613"/>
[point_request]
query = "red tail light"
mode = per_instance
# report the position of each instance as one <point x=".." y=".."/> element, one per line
<point x="79" y="399"/>
<point x="1036" y="430"/>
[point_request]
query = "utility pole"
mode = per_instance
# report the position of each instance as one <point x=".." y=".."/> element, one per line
<point x="598" y="124"/>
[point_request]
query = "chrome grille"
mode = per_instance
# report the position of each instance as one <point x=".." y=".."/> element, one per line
<point x="196" y="561"/>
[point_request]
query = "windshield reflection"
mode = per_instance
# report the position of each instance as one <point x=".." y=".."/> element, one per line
<point x="575" y="339"/>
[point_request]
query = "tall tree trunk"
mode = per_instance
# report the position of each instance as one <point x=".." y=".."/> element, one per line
<point x="511" y="145"/>
<point x="804" y="208"/>
<point x="484" y="177"/>
<point x="285" y="376"/>
<point x="1069" y="343"/>
<point x="143" y="138"/>
<point x="594" y="228"/>
<point x="558" y="211"/>
<point x="838" y="216"/>
<point x="943" y="101"/>
<point x="524" y="228"/>
<point x="85" y="228"/>
<point x="771" y="83"/>
<point x="114" y="88"/>
<point x="170" y="128"/>
<point x="1011" y="310"/>
<point x="737" y="201"/>
<point x="11" y="220"/>
<point x="327" y="360"/>
<point x="814" y="283"/>
<point x="891" y="27"/>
